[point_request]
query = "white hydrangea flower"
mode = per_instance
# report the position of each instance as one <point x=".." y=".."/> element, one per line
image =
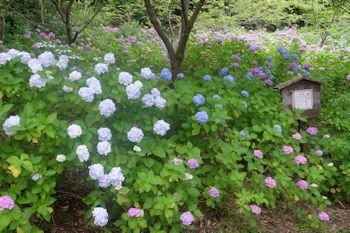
<point x="4" y="58"/>
<point x="116" y="176"/>
<point x="109" y="58"/>
<point x="36" y="81"/>
<point x="74" y="76"/>
<point x="161" y="127"/>
<point x="136" y="148"/>
<point x="155" y="92"/>
<point x="9" y="122"/>
<point x="147" y="73"/>
<point x="62" y="62"/>
<point x="148" y="100"/>
<point x="96" y="171"/>
<point x="47" y="59"/>
<point x="67" y="89"/>
<point x="125" y="78"/>
<point x="159" y="102"/>
<point x="100" y="216"/>
<point x="138" y="83"/>
<point x="104" y="148"/>
<point x="86" y="94"/>
<point x="101" y="68"/>
<point x="330" y="164"/>
<point x="188" y="176"/>
<point x="61" y="158"/>
<point x="95" y="85"/>
<point x="135" y="135"/>
<point x="25" y="57"/>
<point x="324" y="197"/>
<point x="104" y="134"/>
<point x="82" y="153"/>
<point x="107" y="107"/>
<point x="133" y="91"/>
<point x="13" y="53"/>
<point x="74" y="131"/>
<point x="35" y="65"/>
<point x="36" y="176"/>
<point x="104" y="181"/>
<point x="314" y="185"/>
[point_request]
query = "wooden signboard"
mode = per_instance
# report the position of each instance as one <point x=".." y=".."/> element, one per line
<point x="302" y="93"/>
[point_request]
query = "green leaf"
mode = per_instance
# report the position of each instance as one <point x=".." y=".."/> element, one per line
<point x="52" y="117"/>
<point x="142" y="223"/>
<point x="27" y="165"/>
<point x="4" y="221"/>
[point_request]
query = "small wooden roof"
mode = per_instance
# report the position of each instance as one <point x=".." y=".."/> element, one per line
<point x="295" y="80"/>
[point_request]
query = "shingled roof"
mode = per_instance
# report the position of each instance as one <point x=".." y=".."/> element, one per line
<point x="295" y="80"/>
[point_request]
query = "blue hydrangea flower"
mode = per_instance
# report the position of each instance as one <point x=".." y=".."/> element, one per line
<point x="198" y="100"/>
<point x="280" y="49"/>
<point x="305" y="72"/>
<point x="269" y="59"/>
<point x="245" y="104"/>
<point x="249" y="75"/>
<point x="224" y="71"/>
<point x="278" y="128"/>
<point x="166" y="74"/>
<point x="229" y="78"/>
<point x="180" y="75"/>
<point x="295" y="58"/>
<point x="244" y="134"/>
<point x="286" y="55"/>
<point x="245" y="93"/>
<point x="217" y="97"/>
<point x="219" y="105"/>
<point x="207" y="77"/>
<point x="202" y="117"/>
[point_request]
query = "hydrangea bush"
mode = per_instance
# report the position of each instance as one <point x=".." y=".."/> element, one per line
<point x="154" y="155"/>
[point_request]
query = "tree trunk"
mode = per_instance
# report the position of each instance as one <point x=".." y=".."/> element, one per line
<point x="2" y="28"/>
<point x="175" y="67"/>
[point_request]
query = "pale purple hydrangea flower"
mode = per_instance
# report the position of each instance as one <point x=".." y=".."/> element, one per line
<point x="6" y="202"/>
<point x="255" y="209"/>
<point x="323" y="216"/>
<point x="192" y="163"/>
<point x="214" y="192"/>
<point x="312" y="131"/>
<point x="187" y="218"/>
<point x="300" y="159"/>
<point x="297" y="136"/>
<point x="104" y="148"/>
<point x="270" y="182"/>
<point x="258" y="153"/>
<point x="100" y="216"/>
<point x="106" y="107"/>
<point x="161" y="127"/>
<point x="135" y="135"/>
<point x="134" y="212"/>
<point x="319" y="152"/>
<point x="287" y="150"/>
<point x="74" y="131"/>
<point x="302" y="184"/>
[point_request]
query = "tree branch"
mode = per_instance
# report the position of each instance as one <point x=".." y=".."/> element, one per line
<point x="196" y="13"/>
<point x="340" y="6"/>
<point x="156" y="24"/>
<point x="184" y="11"/>
<point x="59" y="10"/>
<point x="89" y="21"/>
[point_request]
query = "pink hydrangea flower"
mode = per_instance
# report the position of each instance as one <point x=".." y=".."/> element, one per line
<point x="302" y="184"/>
<point x="312" y="131"/>
<point x="214" y="192"/>
<point x="323" y="216"/>
<point x="319" y="152"/>
<point x="187" y="218"/>
<point x="300" y="159"/>
<point x="255" y="209"/>
<point x="348" y="77"/>
<point x="258" y="153"/>
<point x="287" y="150"/>
<point x="6" y="202"/>
<point x="134" y="212"/>
<point x="297" y="136"/>
<point x="270" y="182"/>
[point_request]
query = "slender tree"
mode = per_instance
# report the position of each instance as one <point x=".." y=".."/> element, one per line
<point x="65" y="12"/>
<point x="176" y="54"/>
